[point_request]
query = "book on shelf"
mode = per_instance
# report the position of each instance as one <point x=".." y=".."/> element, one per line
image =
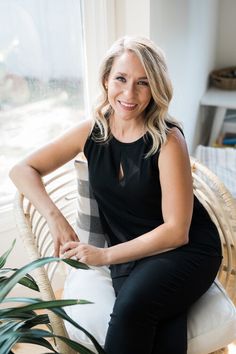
<point x="227" y="139"/>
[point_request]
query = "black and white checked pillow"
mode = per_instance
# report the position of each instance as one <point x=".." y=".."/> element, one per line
<point x="88" y="226"/>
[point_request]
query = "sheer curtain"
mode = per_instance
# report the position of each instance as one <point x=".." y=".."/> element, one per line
<point x="41" y="77"/>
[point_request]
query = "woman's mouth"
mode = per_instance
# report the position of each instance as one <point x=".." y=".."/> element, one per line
<point x="127" y="106"/>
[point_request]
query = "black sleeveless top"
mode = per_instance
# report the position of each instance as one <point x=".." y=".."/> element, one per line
<point x="131" y="206"/>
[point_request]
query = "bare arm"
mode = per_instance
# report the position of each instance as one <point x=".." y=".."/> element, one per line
<point x="27" y="174"/>
<point x="177" y="205"/>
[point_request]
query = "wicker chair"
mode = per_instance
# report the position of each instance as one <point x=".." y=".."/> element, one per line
<point x="62" y="188"/>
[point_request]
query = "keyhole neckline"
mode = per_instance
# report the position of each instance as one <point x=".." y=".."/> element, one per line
<point x="130" y="143"/>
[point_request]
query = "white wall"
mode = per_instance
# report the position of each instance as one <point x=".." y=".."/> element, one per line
<point x="226" y="47"/>
<point x="186" y="30"/>
<point x="132" y="17"/>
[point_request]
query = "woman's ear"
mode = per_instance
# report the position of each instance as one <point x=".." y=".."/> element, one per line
<point x="105" y="82"/>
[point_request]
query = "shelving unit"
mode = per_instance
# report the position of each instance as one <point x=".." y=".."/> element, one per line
<point x="222" y="100"/>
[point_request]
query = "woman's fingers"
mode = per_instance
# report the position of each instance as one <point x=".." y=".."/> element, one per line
<point x="74" y="249"/>
<point x="69" y="245"/>
<point x="70" y="253"/>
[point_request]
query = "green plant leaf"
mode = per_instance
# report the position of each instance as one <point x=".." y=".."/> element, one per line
<point x="2" y="279"/>
<point x="12" y="325"/>
<point x="25" y="322"/>
<point x="75" y="264"/>
<point x="7" y="345"/>
<point x="40" y="333"/>
<point x="31" y="300"/>
<point x="61" y="313"/>
<point x="14" y="269"/>
<point x="7" y="285"/>
<point x="7" y="270"/>
<point x="37" y="320"/>
<point x="22" y="320"/>
<point x="29" y="283"/>
<point x="55" y="307"/>
<point x="25" y="281"/>
<point x="38" y="341"/>
<point x="23" y="315"/>
<point x="3" y="258"/>
<point x="41" y="305"/>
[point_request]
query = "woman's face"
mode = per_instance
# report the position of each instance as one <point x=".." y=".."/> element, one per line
<point x="128" y="88"/>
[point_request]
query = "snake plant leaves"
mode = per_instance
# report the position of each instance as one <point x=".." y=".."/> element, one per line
<point x="43" y="305"/>
<point x="75" y="264"/>
<point x="19" y="324"/>
<point x="3" y="258"/>
<point x="39" y="334"/>
<point x="60" y="312"/>
<point x="8" y="284"/>
<point x="38" y="341"/>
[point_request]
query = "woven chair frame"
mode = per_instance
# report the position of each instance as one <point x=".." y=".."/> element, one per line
<point x="62" y="189"/>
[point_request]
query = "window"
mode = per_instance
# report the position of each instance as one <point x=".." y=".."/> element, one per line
<point x="41" y="77"/>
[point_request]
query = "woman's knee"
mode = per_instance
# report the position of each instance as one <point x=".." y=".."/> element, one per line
<point x="135" y="307"/>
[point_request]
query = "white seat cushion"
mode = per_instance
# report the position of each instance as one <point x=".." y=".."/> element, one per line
<point x="211" y="320"/>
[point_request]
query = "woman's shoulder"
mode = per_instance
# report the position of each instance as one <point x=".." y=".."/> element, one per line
<point x="77" y="135"/>
<point x="86" y="126"/>
<point x="175" y="144"/>
<point x="174" y="126"/>
<point x="83" y="129"/>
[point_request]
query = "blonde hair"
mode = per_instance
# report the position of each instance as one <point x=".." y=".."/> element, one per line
<point x="156" y="115"/>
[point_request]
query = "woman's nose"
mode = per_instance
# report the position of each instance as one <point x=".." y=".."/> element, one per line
<point x="129" y="89"/>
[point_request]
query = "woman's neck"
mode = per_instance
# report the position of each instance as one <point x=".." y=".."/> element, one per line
<point x="126" y="131"/>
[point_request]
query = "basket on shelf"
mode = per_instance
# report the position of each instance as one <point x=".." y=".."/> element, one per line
<point x="224" y="79"/>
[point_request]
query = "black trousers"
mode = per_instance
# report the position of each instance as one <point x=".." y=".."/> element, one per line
<point x="150" y="312"/>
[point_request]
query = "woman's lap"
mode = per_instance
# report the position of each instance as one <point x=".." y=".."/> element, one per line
<point x="164" y="277"/>
<point x="159" y="288"/>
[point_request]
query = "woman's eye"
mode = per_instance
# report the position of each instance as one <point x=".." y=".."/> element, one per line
<point x="120" y="78"/>
<point x="143" y="83"/>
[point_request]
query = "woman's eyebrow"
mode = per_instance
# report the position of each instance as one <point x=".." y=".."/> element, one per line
<point x="139" y="78"/>
<point x="122" y="74"/>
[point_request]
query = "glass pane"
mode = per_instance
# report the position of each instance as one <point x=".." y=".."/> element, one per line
<point x="41" y="76"/>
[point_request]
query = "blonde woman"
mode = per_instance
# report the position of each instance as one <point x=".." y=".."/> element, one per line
<point x="164" y="251"/>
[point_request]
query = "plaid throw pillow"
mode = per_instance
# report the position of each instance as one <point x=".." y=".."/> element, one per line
<point x="88" y="226"/>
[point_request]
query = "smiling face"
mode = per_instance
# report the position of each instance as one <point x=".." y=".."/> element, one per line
<point x="128" y="88"/>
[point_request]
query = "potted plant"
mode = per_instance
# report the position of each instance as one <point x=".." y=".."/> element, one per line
<point x="19" y="324"/>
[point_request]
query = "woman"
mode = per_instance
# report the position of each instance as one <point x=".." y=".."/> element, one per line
<point x="164" y="251"/>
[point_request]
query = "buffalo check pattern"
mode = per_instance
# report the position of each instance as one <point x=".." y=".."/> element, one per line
<point x="88" y="226"/>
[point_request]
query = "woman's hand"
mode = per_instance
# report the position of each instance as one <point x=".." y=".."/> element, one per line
<point x="85" y="253"/>
<point x="61" y="232"/>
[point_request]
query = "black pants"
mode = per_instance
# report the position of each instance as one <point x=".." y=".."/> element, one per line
<point x="150" y="312"/>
